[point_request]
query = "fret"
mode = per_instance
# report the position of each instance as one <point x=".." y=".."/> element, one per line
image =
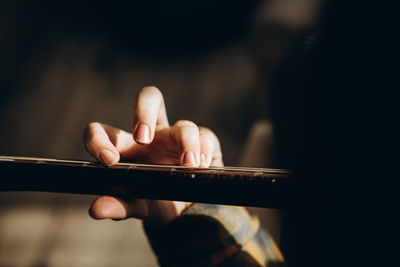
<point x="131" y="167"/>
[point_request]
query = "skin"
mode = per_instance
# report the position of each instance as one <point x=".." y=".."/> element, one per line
<point x="152" y="140"/>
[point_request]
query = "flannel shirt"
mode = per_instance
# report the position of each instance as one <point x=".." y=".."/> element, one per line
<point x="213" y="235"/>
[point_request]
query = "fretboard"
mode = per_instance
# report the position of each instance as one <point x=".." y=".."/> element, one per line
<point x="259" y="187"/>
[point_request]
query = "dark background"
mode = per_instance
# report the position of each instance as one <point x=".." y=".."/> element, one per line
<point x="222" y="64"/>
<point x="67" y="63"/>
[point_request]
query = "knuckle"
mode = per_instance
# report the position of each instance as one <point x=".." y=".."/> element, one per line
<point x="206" y="131"/>
<point x="89" y="132"/>
<point x="93" y="125"/>
<point x="148" y="102"/>
<point x="151" y="89"/>
<point x="185" y="124"/>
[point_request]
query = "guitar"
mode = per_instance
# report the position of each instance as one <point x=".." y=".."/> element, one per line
<point x="257" y="187"/>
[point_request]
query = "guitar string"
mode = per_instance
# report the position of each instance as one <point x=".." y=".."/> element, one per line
<point x="148" y="166"/>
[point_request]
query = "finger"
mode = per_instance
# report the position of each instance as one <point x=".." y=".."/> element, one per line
<point x="107" y="143"/>
<point x="217" y="159"/>
<point x="206" y="147"/>
<point x="186" y="134"/>
<point x="210" y="150"/>
<point x="109" y="207"/>
<point x="149" y="114"/>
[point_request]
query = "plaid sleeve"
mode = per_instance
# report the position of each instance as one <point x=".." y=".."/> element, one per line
<point x="213" y="235"/>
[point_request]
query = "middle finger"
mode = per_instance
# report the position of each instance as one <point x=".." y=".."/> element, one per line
<point x="186" y="134"/>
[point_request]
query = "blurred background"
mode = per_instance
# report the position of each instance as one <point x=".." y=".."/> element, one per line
<point x="64" y="64"/>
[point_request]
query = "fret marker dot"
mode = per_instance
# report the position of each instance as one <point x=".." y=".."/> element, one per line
<point x="193" y="175"/>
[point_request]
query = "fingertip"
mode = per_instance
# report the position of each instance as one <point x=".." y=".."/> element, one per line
<point x="209" y="146"/>
<point x="189" y="159"/>
<point x="149" y="114"/>
<point x="142" y="134"/>
<point x="204" y="161"/>
<point x="94" y="214"/>
<point x="108" y="158"/>
<point x="107" y="207"/>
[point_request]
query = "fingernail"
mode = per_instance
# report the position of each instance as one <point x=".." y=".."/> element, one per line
<point x="188" y="159"/>
<point x="203" y="159"/>
<point x="107" y="157"/>
<point x="142" y="134"/>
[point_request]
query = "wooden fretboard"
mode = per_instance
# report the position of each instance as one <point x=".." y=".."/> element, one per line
<point x="259" y="187"/>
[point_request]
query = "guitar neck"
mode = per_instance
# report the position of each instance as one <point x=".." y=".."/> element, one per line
<point x="258" y="187"/>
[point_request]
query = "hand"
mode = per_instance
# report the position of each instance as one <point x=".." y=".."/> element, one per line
<point x="153" y="141"/>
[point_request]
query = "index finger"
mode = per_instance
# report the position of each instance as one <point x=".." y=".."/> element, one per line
<point x="148" y="115"/>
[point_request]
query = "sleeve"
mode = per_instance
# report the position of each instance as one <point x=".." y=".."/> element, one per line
<point x="213" y="235"/>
